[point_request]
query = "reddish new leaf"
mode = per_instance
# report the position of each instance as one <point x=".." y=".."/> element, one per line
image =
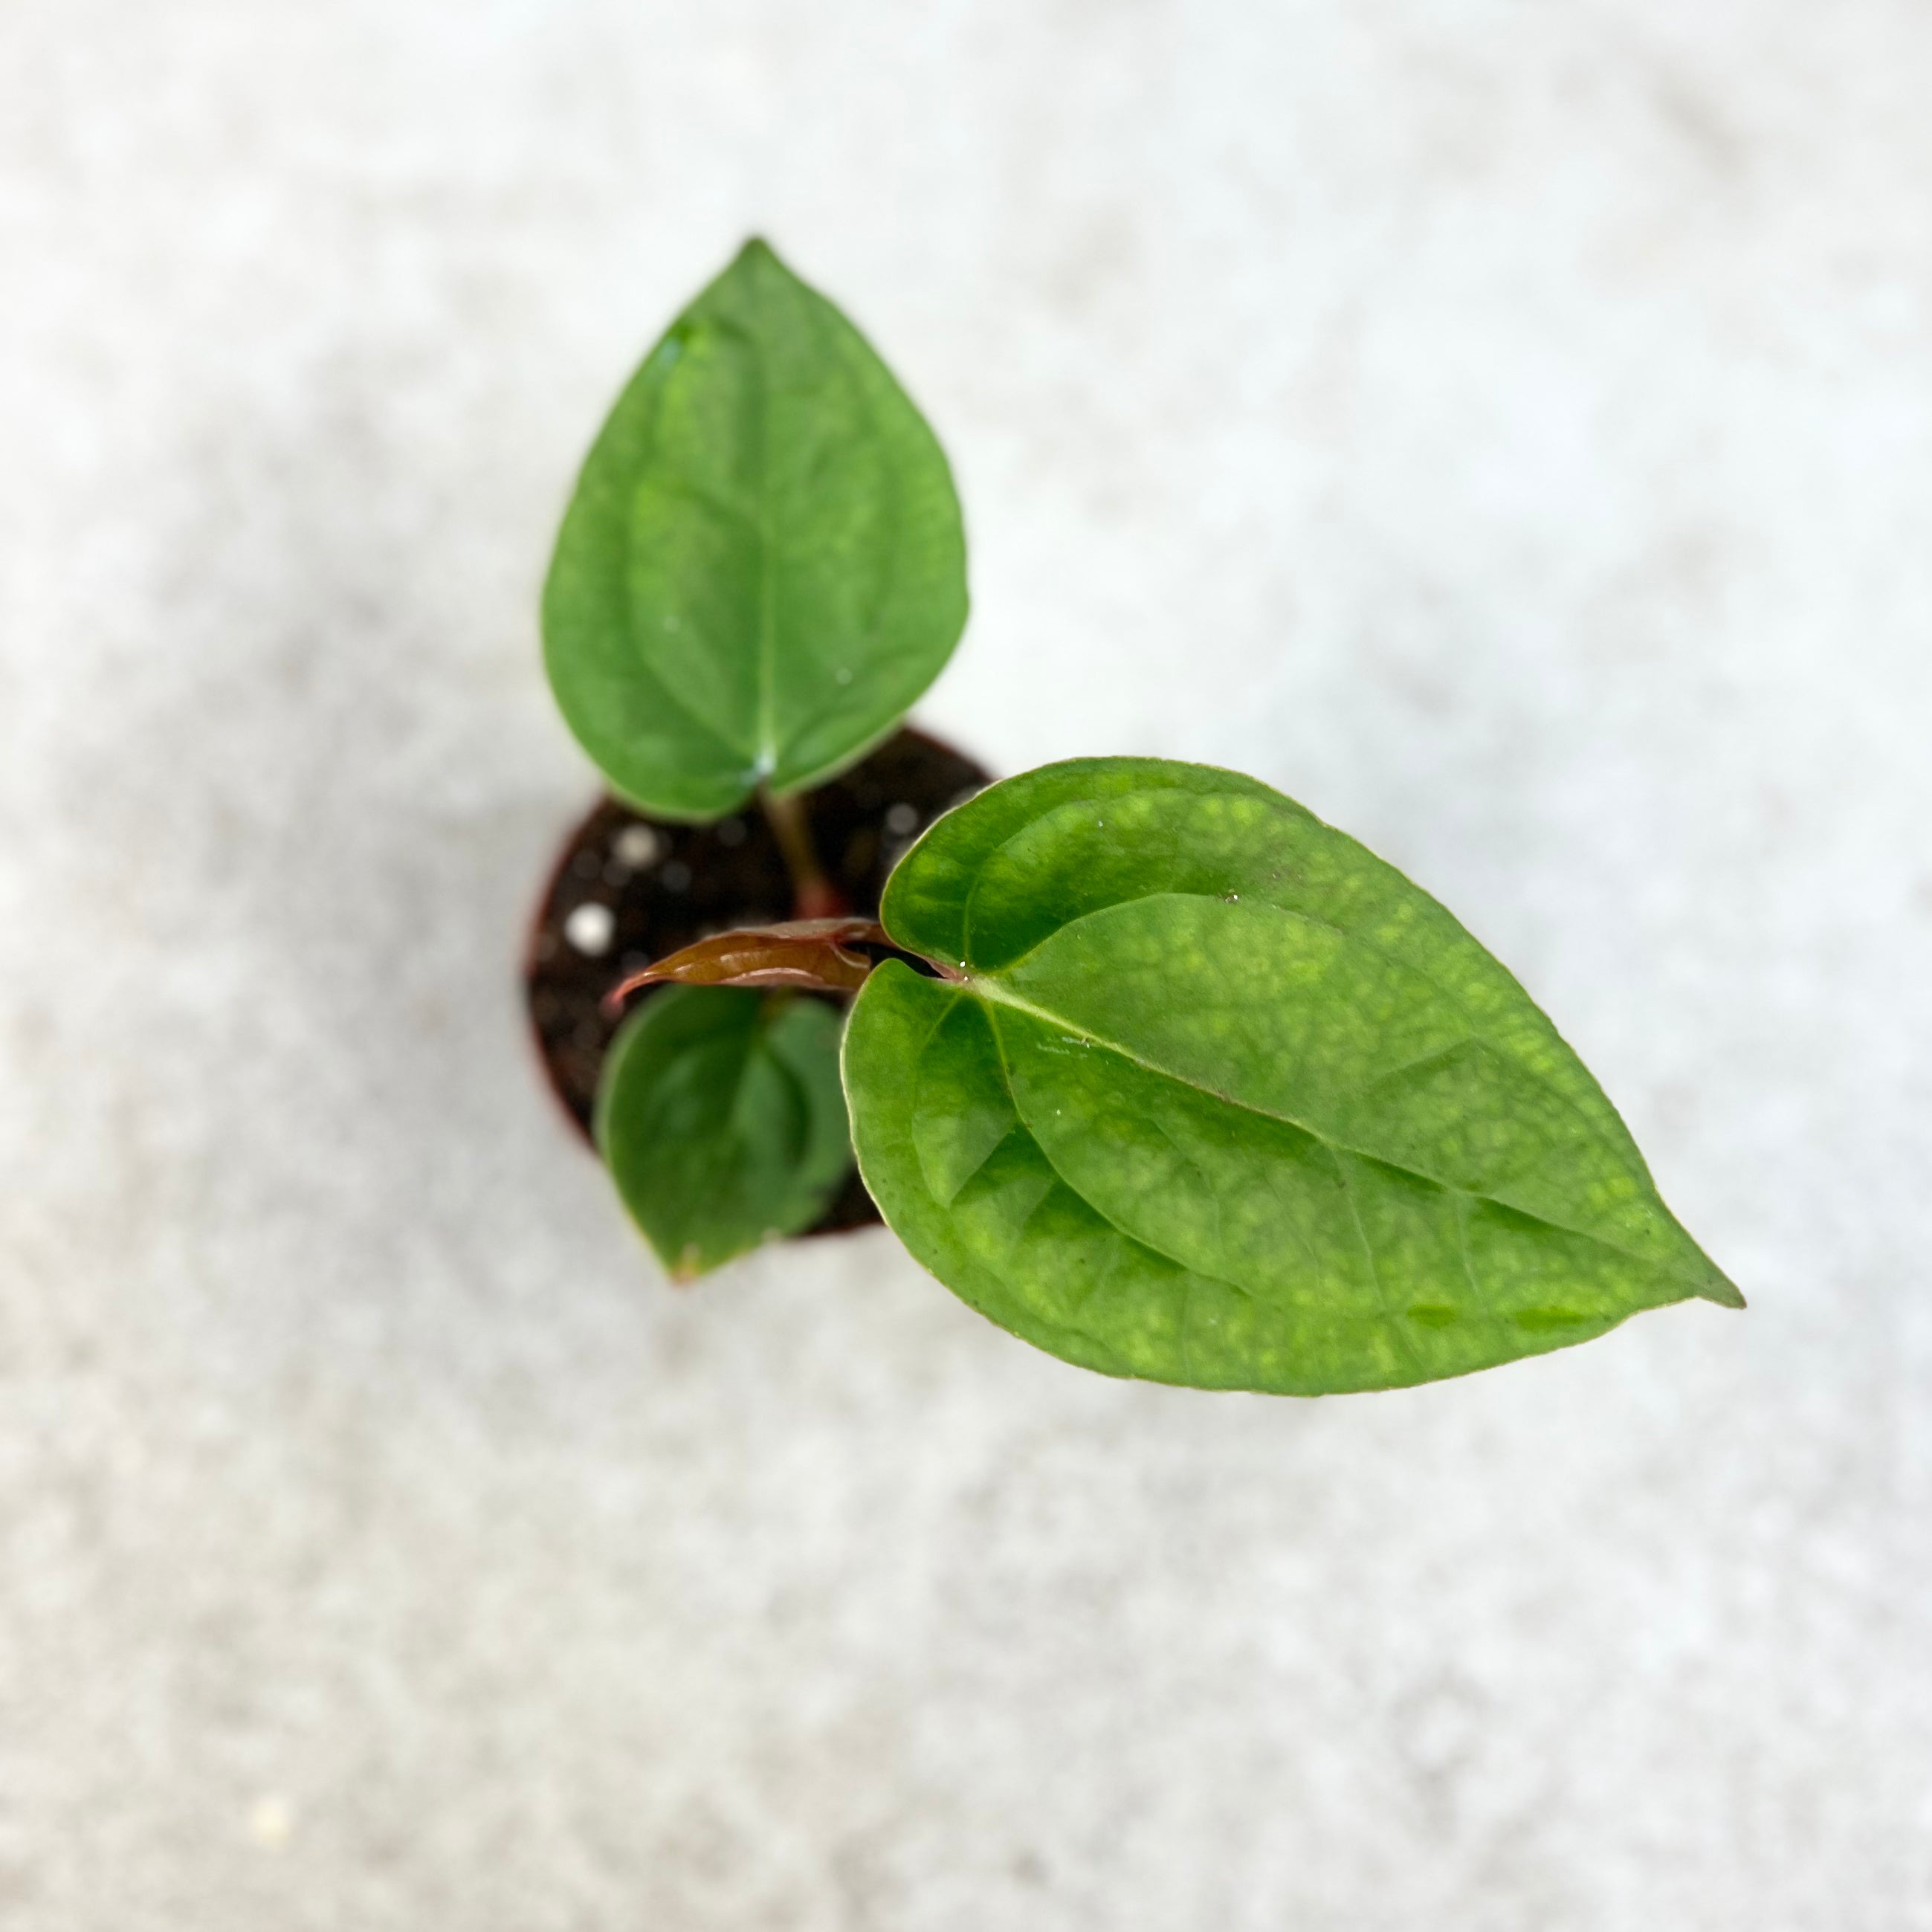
<point x="820" y="954"/>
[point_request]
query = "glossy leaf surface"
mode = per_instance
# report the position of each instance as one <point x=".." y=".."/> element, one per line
<point x="820" y="953"/>
<point x="720" y="1117"/>
<point x="1224" y="1099"/>
<point x="763" y="564"/>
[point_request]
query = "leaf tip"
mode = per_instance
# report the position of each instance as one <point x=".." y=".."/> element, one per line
<point x="1723" y="1292"/>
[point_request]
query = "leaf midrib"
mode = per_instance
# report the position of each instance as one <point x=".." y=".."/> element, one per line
<point x="996" y="993"/>
<point x="765" y="755"/>
<point x="1347" y="1319"/>
<point x="1387" y="1317"/>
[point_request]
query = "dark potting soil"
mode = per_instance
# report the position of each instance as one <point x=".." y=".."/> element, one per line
<point x="628" y="889"/>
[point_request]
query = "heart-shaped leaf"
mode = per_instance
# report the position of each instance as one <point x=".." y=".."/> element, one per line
<point x="720" y="1117"/>
<point x="1222" y="1099"/>
<point x="763" y="564"/>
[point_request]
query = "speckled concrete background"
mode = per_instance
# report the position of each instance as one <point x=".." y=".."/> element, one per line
<point x="1508" y="428"/>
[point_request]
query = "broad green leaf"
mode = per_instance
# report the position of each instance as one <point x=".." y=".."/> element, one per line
<point x="722" y="1119"/>
<point x="763" y="564"/>
<point x="1223" y="1099"/>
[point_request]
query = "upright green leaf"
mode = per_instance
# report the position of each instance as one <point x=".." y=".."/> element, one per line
<point x="1223" y="1099"/>
<point x="763" y="564"/>
<point x="722" y="1119"/>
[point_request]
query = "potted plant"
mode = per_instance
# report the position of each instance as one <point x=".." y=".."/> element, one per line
<point x="1142" y="1059"/>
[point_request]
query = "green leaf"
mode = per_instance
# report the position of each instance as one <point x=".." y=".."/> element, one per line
<point x="722" y="1119"/>
<point x="763" y="564"/>
<point x="1223" y="1099"/>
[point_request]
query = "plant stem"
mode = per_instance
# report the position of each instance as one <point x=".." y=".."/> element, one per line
<point x="814" y="895"/>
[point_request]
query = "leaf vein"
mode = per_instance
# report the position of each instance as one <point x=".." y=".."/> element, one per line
<point x="1404" y="1341"/>
<point x="995" y="992"/>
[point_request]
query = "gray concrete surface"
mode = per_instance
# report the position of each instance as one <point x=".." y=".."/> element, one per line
<point x="1508" y="428"/>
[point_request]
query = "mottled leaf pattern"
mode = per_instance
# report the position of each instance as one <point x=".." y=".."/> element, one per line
<point x="1224" y="1099"/>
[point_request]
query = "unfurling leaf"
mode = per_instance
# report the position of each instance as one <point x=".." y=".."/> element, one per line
<point x="821" y="954"/>
<point x="720" y="1117"/>
<point x="763" y="564"/>
<point x="1222" y="1099"/>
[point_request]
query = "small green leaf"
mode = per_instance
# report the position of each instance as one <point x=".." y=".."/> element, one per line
<point x="722" y="1119"/>
<point x="1223" y="1099"/>
<point x="763" y="564"/>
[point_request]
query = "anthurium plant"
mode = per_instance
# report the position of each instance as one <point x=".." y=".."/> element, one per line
<point x="1142" y="1060"/>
